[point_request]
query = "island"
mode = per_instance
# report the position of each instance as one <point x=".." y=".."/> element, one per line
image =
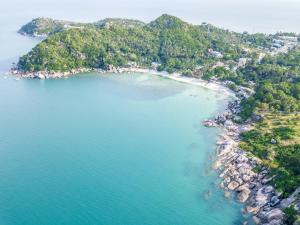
<point x="259" y="157"/>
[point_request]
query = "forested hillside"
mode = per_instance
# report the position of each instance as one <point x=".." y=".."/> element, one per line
<point x="168" y="41"/>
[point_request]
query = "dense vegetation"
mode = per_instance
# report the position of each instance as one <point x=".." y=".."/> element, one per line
<point x="46" y="26"/>
<point x="277" y="83"/>
<point x="276" y="141"/>
<point x="176" y="45"/>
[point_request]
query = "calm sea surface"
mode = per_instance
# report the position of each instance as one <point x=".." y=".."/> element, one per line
<point x="109" y="149"/>
<point x="113" y="149"/>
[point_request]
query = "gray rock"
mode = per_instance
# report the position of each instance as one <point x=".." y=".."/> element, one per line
<point x="267" y="180"/>
<point x="209" y="123"/>
<point x="274" y="214"/>
<point x="246" y="178"/>
<point x="242" y="159"/>
<point x="256" y="219"/>
<point x="256" y="117"/>
<point x="291" y="199"/>
<point x="273" y="222"/>
<point x="268" y="189"/>
<point x="252" y="185"/>
<point x="240" y="181"/>
<point x="274" y="201"/>
<point x="228" y="123"/>
<point x="261" y="197"/>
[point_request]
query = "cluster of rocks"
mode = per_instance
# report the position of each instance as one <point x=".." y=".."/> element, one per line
<point x="52" y="74"/>
<point x="49" y="74"/>
<point x="236" y="170"/>
<point x="253" y="189"/>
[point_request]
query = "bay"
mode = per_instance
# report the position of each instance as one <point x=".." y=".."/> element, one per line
<point x="109" y="149"/>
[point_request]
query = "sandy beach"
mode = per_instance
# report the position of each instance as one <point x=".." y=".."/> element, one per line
<point x="212" y="85"/>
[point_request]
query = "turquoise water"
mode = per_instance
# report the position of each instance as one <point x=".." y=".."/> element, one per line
<point x="105" y="149"/>
<point x="109" y="149"/>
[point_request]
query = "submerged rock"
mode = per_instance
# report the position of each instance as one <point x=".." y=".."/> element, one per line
<point x="227" y="194"/>
<point x="207" y="194"/>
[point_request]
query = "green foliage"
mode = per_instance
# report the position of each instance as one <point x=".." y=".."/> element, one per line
<point x="47" y="26"/>
<point x="92" y="48"/>
<point x="281" y="156"/>
<point x="258" y="40"/>
<point x="290" y="215"/>
<point x="175" y="44"/>
<point x="277" y="83"/>
<point x="248" y="106"/>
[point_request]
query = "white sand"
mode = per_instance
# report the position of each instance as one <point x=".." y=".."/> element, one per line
<point x="216" y="86"/>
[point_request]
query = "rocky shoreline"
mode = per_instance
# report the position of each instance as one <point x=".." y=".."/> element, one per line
<point x="236" y="170"/>
<point x="61" y="74"/>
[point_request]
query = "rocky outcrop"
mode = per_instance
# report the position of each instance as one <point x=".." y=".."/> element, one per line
<point x="47" y="74"/>
<point x="209" y="123"/>
<point x="292" y="199"/>
<point x="237" y="175"/>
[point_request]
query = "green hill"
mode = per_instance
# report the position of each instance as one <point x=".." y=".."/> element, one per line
<point x="169" y="41"/>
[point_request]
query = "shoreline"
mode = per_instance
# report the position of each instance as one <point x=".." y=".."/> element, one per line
<point x="236" y="170"/>
<point x="212" y="85"/>
<point x="234" y="166"/>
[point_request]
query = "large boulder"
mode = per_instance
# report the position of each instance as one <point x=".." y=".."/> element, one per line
<point x="253" y="209"/>
<point x="291" y="199"/>
<point x="233" y="185"/>
<point x="274" y="214"/>
<point x="261" y="197"/>
<point x="268" y="189"/>
<point x="274" y="222"/>
<point x="256" y="220"/>
<point x="246" y="178"/>
<point x="244" y="195"/>
<point x="274" y="200"/>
